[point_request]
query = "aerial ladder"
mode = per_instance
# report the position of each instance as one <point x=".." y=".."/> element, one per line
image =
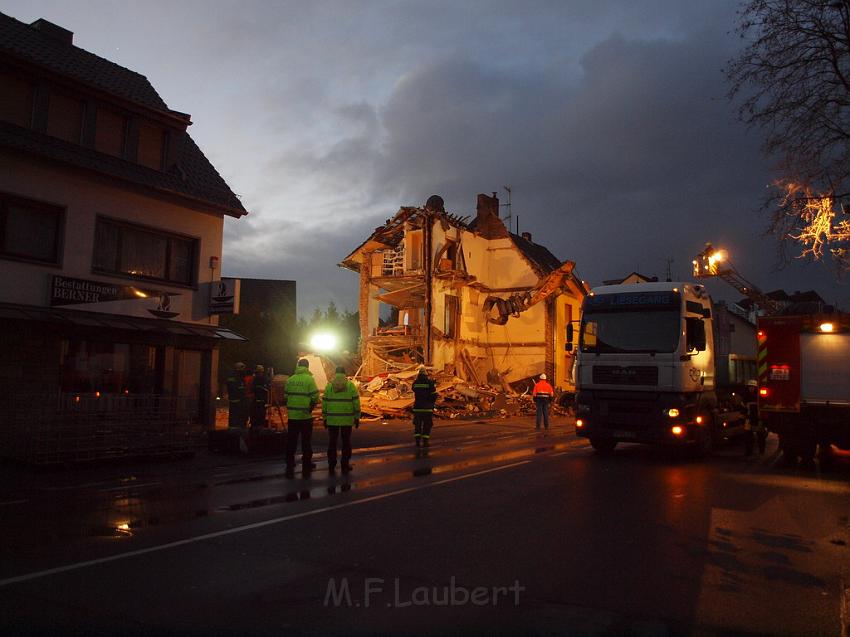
<point x="713" y="262"/>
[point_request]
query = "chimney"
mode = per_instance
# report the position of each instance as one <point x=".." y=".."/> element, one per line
<point x="527" y="237"/>
<point x="53" y="31"/>
<point x="488" y="224"/>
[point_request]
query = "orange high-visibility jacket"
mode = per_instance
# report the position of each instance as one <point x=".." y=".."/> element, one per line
<point x="542" y="389"/>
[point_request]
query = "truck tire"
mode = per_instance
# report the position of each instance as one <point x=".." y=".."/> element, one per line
<point x="705" y="445"/>
<point x="603" y="445"/>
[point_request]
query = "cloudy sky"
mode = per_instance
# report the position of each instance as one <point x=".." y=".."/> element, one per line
<point x="607" y="118"/>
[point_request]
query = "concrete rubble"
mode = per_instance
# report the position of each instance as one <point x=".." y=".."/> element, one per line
<point x="390" y="395"/>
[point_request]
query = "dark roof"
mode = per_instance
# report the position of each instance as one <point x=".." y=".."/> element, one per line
<point x="646" y="279"/>
<point x="192" y="176"/>
<point x="24" y="41"/>
<point x="201" y="181"/>
<point x="539" y="256"/>
<point x="806" y="297"/>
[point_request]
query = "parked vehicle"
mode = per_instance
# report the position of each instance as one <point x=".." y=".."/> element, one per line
<point x="804" y="384"/>
<point x="648" y="369"/>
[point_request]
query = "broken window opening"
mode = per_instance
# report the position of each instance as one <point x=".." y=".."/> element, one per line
<point x="394" y="261"/>
<point x="451" y="316"/>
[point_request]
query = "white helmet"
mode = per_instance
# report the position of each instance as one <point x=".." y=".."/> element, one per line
<point x="542" y="376"/>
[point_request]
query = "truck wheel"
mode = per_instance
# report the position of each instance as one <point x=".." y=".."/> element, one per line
<point x="603" y="445"/>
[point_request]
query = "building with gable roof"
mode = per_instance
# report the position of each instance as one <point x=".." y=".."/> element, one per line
<point x="111" y="226"/>
<point x="470" y="296"/>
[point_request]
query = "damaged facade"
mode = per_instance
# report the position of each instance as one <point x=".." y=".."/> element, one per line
<point x="472" y="298"/>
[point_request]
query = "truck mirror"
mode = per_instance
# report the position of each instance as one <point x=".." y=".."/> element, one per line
<point x="568" y="347"/>
<point x="569" y="336"/>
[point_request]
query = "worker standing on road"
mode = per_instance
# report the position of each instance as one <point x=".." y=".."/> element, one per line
<point x="425" y="397"/>
<point x="341" y="413"/>
<point x="755" y="429"/>
<point x="260" y="386"/>
<point x="542" y="394"/>
<point x="237" y="407"/>
<point x="301" y="396"/>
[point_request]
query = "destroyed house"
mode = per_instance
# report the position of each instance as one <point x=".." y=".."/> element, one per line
<point x="465" y="296"/>
<point x="111" y="226"/>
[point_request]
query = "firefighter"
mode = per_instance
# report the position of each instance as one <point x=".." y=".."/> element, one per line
<point x="542" y="394"/>
<point x="260" y="385"/>
<point x="754" y="428"/>
<point x="301" y="396"/>
<point x="237" y="412"/>
<point x="425" y="396"/>
<point x="340" y="412"/>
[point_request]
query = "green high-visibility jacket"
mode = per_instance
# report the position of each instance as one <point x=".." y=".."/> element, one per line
<point x="341" y="402"/>
<point x="301" y="394"/>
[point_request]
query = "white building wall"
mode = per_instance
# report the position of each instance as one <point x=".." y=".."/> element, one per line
<point x="84" y="198"/>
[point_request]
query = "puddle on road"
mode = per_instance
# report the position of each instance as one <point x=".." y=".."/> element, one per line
<point x="299" y="492"/>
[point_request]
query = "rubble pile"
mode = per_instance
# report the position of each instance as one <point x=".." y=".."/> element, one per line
<point x="390" y="395"/>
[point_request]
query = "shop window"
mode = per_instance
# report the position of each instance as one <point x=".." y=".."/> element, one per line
<point x="130" y="250"/>
<point x="109" y="368"/>
<point x="29" y="230"/>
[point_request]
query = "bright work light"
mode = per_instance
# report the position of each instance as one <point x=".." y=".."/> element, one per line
<point x="323" y="342"/>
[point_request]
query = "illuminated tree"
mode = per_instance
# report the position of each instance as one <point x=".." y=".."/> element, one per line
<point x="793" y="80"/>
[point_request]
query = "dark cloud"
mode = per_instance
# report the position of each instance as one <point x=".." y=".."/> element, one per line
<point x="607" y="118"/>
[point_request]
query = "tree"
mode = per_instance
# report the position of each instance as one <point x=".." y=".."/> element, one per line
<point x="793" y="80"/>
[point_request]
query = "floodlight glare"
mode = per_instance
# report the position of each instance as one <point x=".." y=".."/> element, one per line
<point x="323" y="342"/>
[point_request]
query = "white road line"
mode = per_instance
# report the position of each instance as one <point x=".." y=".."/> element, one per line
<point x="562" y="453"/>
<point x="131" y="485"/>
<point x="248" y="527"/>
<point x="8" y="502"/>
<point x="845" y="610"/>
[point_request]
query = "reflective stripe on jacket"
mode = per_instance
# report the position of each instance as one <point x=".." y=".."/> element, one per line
<point x="542" y="389"/>
<point x="340" y="402"/>
<point x="301" y="394"/>
<point x="425" y="394"/>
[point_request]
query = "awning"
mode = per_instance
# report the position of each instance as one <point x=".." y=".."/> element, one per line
<point x="77" y="318"/>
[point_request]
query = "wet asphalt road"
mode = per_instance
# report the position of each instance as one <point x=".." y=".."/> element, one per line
<point x="497" y="529"/>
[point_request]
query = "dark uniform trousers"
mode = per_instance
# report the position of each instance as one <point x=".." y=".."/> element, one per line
<point x="336" y="432"/>
<point x="304" y="430"/>
<point x="422" y="423"/>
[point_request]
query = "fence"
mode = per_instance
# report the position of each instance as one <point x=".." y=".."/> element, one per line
<point x="68" y="428"/>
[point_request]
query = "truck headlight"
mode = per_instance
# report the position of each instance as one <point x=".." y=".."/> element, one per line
<point x="673" y="413"/>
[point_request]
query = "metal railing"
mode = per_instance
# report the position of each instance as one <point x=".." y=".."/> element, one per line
<point x="68" y="428"/>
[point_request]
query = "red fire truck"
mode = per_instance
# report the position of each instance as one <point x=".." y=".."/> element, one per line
<point x="804" y="383"/>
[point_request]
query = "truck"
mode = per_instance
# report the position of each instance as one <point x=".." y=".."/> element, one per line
<point x="647" y="368"/>
<point x="804" y="385"/>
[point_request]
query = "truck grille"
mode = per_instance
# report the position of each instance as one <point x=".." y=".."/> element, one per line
<point x="632" y="375"/>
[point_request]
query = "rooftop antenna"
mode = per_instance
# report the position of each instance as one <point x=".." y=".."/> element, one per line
<point x="669" y="271"/>
<point x="508" y="206"/>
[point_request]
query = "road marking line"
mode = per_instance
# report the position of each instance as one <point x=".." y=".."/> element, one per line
<point x="248" y="527"/>
<point x="130" y="485"/>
